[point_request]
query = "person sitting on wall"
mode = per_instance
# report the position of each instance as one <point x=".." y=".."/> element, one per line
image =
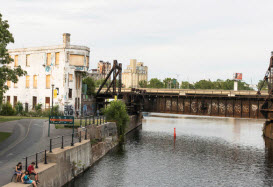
<point x="26" y="180"/>
<point x="18" y="171"/>
<point x="32" y="171"/>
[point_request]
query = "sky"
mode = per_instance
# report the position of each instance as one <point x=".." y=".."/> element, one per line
<point x="185" y="39"/>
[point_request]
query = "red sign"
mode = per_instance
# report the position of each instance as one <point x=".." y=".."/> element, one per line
<point x="238" y="76"/>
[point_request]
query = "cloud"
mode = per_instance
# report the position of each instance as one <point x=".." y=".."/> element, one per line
<point x="191" y="40"/>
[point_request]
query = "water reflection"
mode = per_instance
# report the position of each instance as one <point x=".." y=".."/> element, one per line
<point x="206" y="152"/>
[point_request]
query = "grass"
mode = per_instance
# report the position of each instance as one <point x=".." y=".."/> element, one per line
<point x="4" y="135"/>
<point x="12" y="118"/>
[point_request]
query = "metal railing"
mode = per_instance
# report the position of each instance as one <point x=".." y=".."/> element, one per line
<point x="64" y="140"/>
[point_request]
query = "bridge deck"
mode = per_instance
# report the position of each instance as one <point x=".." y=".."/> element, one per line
<point x="195" y="92"/>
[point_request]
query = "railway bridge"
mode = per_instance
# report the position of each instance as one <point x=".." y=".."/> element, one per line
<point x="222" y="103"/>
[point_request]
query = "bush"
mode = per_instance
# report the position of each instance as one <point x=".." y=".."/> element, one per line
<point x="19" y="108"/>
<point x="117" y="112"/>
<point x="38" y="107"/>
<point x="7" y="110"/>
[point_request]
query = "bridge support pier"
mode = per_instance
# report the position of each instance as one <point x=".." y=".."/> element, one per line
<point x="268" y="129"/>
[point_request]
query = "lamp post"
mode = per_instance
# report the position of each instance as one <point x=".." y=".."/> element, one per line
<point x="52" y="98"/>
<point x="51" y="110"/>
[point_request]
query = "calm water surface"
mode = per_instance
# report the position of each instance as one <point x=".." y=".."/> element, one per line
<point x="206" y="152"/>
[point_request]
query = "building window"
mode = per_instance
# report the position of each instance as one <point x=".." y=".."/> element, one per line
<point x="27" y="81"/>
<point x="48" y="81"/>
<point x="8" y="99"/>
<point x="78" y="81"/>
<point x="27" y="60"/>
<point x="16" y="61"/>
<point x="48" y="59"/>
<point x="78" y="103"/>
<point x="76" y="60"/>
<point x="70" y="77"/>
<point x="9" y="84"/>
<point x="57" y="58"/>
<point x="70" y="93"/>
<point x="34" y="102"/>
<point x="34" y="81"/>
<point x="14" y="100"/>
<point x="47" y="102"/>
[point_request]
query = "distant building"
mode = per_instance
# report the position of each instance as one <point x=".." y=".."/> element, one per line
<point x="61" y="66"/>
<point x="134" y="73"/>
<point x="102" y="70"/>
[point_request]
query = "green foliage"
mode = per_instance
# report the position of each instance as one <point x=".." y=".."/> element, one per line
<point x="170" y="83"/>
<point x="5" y="72"/>
<point x="19" y="108"/>
<point x="117" y="112"/>
<point x="143" y="84"/>
<point x="265" y="85"/>
<point x="155" y="83"/>
<point x="217" y="85"/>
<point x="7" y="109"/>
<point x="55" y="111"/>
<point x="186" y="85"/>
<point x="38" y="107"/>
<point x="91" y="85"/>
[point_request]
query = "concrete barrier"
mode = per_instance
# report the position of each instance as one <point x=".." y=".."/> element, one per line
<point x="65" y="164"/>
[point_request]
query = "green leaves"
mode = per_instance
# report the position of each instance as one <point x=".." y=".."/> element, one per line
<point x="117" y="112"/>
<point x="90" y="85"/>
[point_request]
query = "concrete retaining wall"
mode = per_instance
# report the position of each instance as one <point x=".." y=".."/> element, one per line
<point x="65" y="164"/>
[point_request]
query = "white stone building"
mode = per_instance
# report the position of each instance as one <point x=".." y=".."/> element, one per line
<point x="61" y="66"/>
<point x="134" y="73"/>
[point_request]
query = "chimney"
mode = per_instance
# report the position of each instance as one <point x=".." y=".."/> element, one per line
<point x="66" y="39"/>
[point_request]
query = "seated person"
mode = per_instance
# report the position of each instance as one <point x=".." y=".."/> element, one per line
<point x="26" y="180"/>
<point x="32" y="171"/>
<point x="18" y="171"/>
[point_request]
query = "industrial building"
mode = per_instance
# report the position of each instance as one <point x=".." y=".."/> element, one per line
<point x="134" y="73"/>
<point x="59" y="67"/>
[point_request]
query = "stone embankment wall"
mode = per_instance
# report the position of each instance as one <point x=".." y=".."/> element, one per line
<point x="65" y="164"/>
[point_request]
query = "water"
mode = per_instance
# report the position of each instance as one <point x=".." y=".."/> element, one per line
<point x="206" y="152"/>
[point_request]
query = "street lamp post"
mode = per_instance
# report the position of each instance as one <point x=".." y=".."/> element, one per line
<point x="52" y="98"/>
<point x="51" y="110"/>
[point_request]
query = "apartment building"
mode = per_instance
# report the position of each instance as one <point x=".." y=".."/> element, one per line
<point x="134" y="73"/>
<point x="59" y="67"/>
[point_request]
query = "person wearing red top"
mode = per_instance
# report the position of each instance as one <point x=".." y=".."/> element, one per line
<point x="32" y="171"/>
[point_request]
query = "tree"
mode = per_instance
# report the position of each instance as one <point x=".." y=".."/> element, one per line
<point x="186" y="85"/>
<point x="6" y="73"/>
<point x="90" y="85"/>
<point x="155" y="83"/>
<point x="143" y="84"/>
<point x="265" y="86"/>
<point x="204" y="84"/>
<point x="117" y="112"/>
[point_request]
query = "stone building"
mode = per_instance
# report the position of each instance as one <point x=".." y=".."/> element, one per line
<point x="134" y="73"/>
<point x="61" y="66"/>
<point x="102" y="70"/>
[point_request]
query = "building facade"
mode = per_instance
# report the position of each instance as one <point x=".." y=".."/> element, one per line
<point x="59" y="66"/>
<point x="102" y="70"/>
<point x="134" y="73"/>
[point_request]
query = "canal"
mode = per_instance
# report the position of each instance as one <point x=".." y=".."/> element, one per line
<point x="206" y="152"/>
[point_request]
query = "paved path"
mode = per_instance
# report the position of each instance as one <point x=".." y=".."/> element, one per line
<point x="28" y="137"/>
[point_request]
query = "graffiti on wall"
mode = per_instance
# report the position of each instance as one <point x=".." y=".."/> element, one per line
<point x="68" y="110"/>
